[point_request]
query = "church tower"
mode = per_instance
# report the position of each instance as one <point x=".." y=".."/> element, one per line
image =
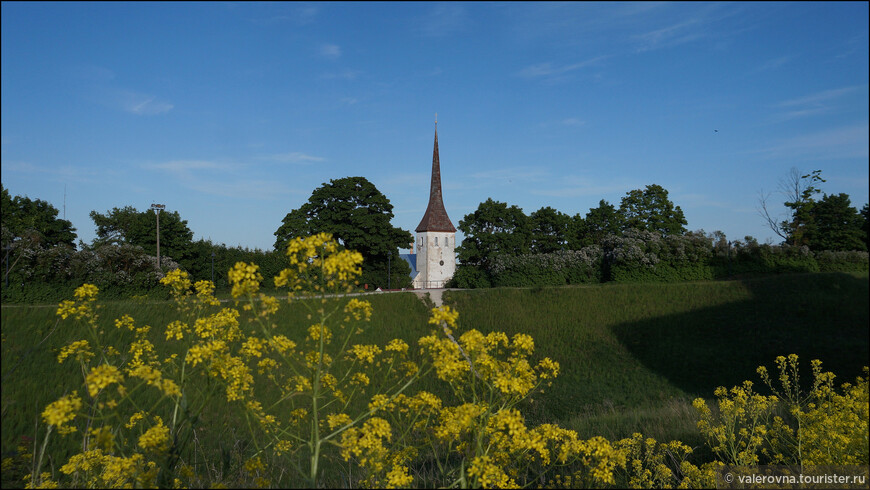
<point x="436" y="235"/>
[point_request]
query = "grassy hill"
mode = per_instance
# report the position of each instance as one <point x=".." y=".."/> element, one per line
<point x="632" y="355"/>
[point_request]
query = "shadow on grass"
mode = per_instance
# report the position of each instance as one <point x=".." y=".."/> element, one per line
<point x="816" y="316"/>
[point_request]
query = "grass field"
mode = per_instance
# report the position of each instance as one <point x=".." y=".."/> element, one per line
<point x="633" y="356"/>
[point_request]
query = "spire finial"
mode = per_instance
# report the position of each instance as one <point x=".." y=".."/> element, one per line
<point x="436" y="120"/>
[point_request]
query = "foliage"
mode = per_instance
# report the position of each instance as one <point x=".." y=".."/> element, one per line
<point x="494" y="228"/>
<point x="835" y="225"/>
<point x="355" y="212"/>
<point x="49" y="274"/>
<point x="801" y="204"/>
<point x="650" y="209"/>
<point x="551" y="269"/>
<point x="550" y="230"/>
<point x="469" y="277"/>
<point x="647" y="256"/>
<point x="826" y="426"/>
<point x="33" y="222"/>
<point x="374" y="273"/>
<point x="602" y="221"/>
<point x="139" y="228"/>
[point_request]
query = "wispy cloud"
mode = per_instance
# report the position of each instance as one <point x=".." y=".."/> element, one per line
<point x="672" y="35"/>
<point x="550" y="71"/>
<point x="187" y="165"/>
<point x="444" y="19"/>
<point x="822" y="102"/>
<point x="511" y="174"/>
<point x="775" y="63"/>
<point x="843" y="142"/>
<point x="300" y="14"/>
<point x="292" y="157"/>
<point x="139" y="103"/>
<point x="819" y="97"/>
<point x="331" y="51"/>
<point x="347" y="74"/>
<point x="219" y="179"/>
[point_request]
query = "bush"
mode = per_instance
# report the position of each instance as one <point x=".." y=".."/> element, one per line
<point x="549" y="269"/>
<point x="469" y="277"/>
<point x="830" y="261"/>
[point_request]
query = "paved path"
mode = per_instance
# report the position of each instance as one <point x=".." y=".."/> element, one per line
<point x="434" y="295"/>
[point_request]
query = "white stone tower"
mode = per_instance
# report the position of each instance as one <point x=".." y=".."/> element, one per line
<point x="436" y="235"/>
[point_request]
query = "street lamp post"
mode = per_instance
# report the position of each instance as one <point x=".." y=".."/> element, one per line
<point x="389" y="276"/>
<point x="157" y="208"/>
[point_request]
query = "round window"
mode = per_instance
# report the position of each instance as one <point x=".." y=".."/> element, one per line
<point x="442" y="262"/>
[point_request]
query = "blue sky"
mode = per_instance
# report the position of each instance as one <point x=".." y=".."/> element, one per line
<point x="233" y="113"/>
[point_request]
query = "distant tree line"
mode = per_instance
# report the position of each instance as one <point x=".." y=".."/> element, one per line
<point x="645" y="239"/>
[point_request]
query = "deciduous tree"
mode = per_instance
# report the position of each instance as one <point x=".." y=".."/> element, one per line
<point x="650" y="209"/>
<point x="494" y="228"/>
<point x="34" y="221"/>
<point x="835" y="225"/>
<point x="129" y="225"/>
<point x="602" y="221"/>
<point x="358" y="216"/>
<point x="550" y="230"/>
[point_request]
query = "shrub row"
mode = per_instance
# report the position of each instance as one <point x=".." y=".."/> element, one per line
<point x="643" y="256"/>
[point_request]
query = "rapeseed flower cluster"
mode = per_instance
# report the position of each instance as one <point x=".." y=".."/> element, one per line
<point x="824" y="426"/>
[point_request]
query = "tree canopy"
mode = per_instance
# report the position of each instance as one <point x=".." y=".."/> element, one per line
<point x="358" y="215"/>
<point x="602" y="221"/>
<point x="551" y="230"/>
<point x="129" y="225"/>
<point x="35" y="221"/>
<point x="494" y="228"/>
<point x="835" y="225"/>
<point x="650" y="209"/>
<point x="830" y="223"/>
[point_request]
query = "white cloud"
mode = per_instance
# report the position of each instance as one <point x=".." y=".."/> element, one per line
<point x="292" y="157"/>
<point x="347" y="74"/>
<point x="444" y="19"/>
<point x="549" y="70"/>
<point x="141" y="104"/>
<point x="186" y="165"/>
<point x="819" y="97"/>
<point x="842" y="142"/>
<point x="775" y="63"/>
<point x="822" y="102"/>
<point x="330" y="51"/>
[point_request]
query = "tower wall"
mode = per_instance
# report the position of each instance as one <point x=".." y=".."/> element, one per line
<point x="436" y="258"/>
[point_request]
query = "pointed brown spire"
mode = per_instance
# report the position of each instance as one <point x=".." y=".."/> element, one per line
<point x="435" y="218"/>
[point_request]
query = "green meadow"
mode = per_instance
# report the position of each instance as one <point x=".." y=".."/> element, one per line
<point x="632" y="356"/>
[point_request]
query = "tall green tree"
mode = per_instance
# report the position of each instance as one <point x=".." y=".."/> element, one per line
<point x="578" y="233"/>
<point x="550" y="230"/>
<point x="129" y="225"/>
<point x="34" y="221"/>
<point x="835" y="225"/>
<point x="650" y="209"/>
<point x="494" y="228"/>
<point x="865" y="226"/>
<point x="358" y="215"/>
<point x="602" y="221"/>
<point x="799" y="192"/>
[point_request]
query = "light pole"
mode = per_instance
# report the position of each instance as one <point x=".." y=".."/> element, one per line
<point x="157" y="208"/>
<point x="389" y="277"/>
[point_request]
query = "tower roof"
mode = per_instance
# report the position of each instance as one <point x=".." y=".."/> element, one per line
<point x="435" y="218"/>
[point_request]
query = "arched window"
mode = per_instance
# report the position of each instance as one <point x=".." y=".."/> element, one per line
<point x="446" y="241"/>
<point x="436" y="241"/>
